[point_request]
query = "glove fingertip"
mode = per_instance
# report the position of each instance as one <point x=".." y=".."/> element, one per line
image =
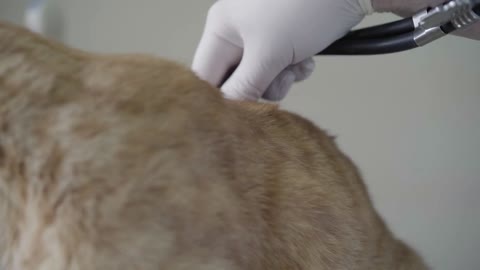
<point x="279" y="88"/>
<point x="304" y="69"/>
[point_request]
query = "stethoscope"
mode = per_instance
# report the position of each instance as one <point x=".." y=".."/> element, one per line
<point x="423" y="28"/>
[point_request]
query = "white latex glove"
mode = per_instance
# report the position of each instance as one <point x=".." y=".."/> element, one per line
<point x="271" y="41"/>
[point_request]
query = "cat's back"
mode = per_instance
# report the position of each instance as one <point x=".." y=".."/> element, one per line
<point x="134" y="163"/>
<point x="102" y="160"/>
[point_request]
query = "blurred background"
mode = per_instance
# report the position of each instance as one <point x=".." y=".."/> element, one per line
<point x="410" y="121"/>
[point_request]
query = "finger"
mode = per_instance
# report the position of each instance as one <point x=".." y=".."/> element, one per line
<point x="214" y="58"/>
<point x="253" y="76"/>
<point x="216" y="55"/>
<point x="280" y="86"/>
<point x="304" y="69"/>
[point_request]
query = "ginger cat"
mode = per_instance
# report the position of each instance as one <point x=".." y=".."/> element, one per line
<point x="132" y="162"/>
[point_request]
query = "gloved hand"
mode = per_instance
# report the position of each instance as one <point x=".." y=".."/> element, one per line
<point x="271" y="41"/>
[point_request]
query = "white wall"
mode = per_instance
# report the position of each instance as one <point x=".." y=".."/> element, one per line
<point x="411" y="121"/>
<point x="12" y="10"/>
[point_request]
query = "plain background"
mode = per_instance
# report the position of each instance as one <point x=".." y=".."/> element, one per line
<point x="410" y="121"/>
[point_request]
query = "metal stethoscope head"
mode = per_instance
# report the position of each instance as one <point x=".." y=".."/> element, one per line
<point x="423" y="28"/>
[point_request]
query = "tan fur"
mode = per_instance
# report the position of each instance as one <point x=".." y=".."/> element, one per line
<point x="132" y="162"/>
